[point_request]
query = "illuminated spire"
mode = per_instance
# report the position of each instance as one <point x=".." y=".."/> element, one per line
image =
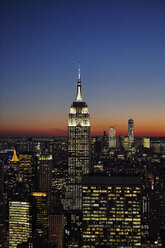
<point x="79" y="96"/>
<point x="14" y="158"/>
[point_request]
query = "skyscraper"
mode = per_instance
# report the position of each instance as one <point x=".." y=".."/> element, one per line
<point x="20" y="228"/>
<point x="13" y="176"/>
<point x="45" y="172"/>
<point x="78" y="149"/>
<point x="56" y="229"/>
<point x="112" y="138"/>
<point x="130" y="132"/>
<point x="78" y="165"/>
<point x="1" y="203"/>
<point x="111" y="212"/>
<point x="27" y="168"/>
<point x="40" y="215"/>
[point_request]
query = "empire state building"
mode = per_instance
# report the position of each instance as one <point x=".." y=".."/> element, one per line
<point x="78" y="148"/>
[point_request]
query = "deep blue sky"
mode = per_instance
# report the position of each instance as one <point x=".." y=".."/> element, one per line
<point x="121" y="46"/>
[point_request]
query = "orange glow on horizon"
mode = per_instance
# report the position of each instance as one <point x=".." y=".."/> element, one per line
<point x="95" y="131"/>
<point x="142" y="127"/>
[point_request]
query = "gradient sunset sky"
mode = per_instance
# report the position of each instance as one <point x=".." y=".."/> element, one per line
<point x="121" y="47"/>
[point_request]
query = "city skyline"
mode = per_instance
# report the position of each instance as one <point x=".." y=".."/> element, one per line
<point x="121" y="47"/>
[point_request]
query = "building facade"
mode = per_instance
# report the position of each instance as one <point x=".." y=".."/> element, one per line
<point x="112" y="138"/>
<point x="40" y="215"/>
<point x="78" y="165"/>
<point x="45" y="173"/>
<point x="130" y="132"/>
<point x="20" y="226"/>
<point x="56" y="229"/>
<point x="2" y="219"/>
<point x="13" y="176"/>
<point x="111" y="212"/>
<point x="27" y="170"/>
<point x="78" y="149"/>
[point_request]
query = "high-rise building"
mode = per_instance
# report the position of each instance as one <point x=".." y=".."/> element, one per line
<point x="130" y="132"/>
<point x="78" y="149"/>
<point x="146" y="142"/>
<point x="13" y="176"/>
<point x="56" y="221"/>
<point x="40" y="215"/>
<point x="56" y="229"/>
<point x="111" y="212"/>
<point x="126" y="144"/>
<point x="112" y="138"/>
<point x="78" y="165"/>
<point x="2" y="204"/>
<point x="20" y="228"/>
<point x="27" y="170"/>
<point x="45" y="172"/>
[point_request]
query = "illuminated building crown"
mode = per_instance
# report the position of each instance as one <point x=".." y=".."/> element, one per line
<point x="14" y="158"/>
<point x="79" y="115"/>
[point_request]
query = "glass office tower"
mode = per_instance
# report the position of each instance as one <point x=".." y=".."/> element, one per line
<point x="111" y="212"/>
<point x="20" y="227"/>
<point x="130" y="132"/>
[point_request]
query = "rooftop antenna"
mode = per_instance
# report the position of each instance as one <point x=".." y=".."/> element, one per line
<point x="79" y="76"/>
<point x="79" y="96"/>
